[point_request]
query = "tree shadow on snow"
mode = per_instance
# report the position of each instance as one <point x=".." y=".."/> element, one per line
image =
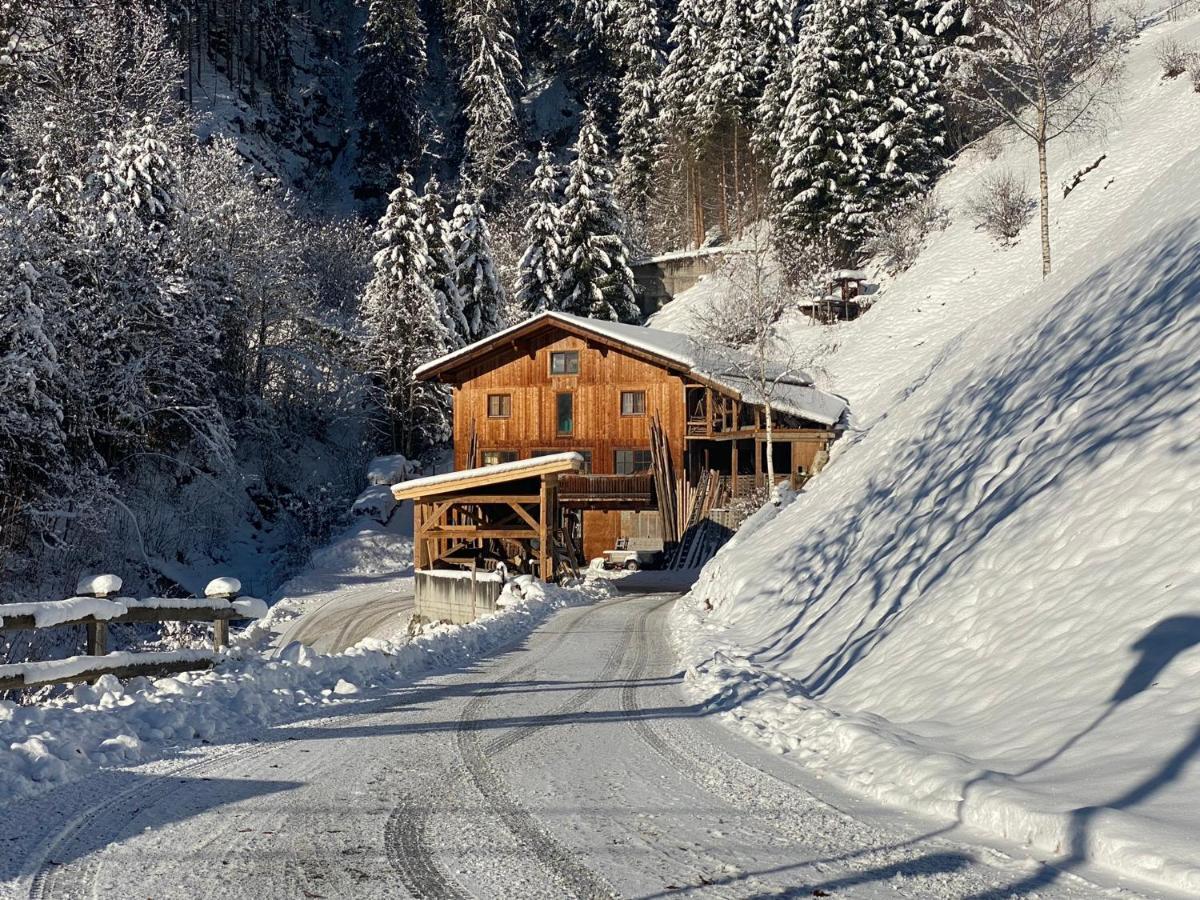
<point x="1114" y="362"/>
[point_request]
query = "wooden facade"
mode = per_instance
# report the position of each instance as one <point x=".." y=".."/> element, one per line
<point x="507" y="395"/>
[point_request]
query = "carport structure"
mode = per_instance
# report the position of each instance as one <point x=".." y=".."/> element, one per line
<point x="510" y="513"/>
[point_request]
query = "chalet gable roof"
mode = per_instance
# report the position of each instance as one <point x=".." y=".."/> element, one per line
<point x="724" y="369"/>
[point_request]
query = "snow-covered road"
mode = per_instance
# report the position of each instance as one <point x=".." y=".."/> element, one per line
<point x="567" y="765"/>
<point x="351" y="614"/>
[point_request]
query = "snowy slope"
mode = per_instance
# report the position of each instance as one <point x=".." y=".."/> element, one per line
<point x="988" y="607"/>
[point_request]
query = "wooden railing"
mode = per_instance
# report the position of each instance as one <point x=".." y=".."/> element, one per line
<point x="606" y="488"/>
<point x="99" y="607"/>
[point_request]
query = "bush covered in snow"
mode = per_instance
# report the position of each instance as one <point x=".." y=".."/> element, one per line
<point x="1002" y="206"/>
<point x="1174" y="57"/>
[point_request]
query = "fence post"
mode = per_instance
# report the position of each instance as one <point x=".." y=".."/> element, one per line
<point x="101" y="587"/>
<point x="225" y="589"/>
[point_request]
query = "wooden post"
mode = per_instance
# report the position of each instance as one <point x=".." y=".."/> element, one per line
<point x="97" y="638"/>
<point x="220" y="634"/>
<point x="545" y="557"/>
<point x="795" y="467"/>
<point x="734" y="467"/>
<point x="758" y="454"/>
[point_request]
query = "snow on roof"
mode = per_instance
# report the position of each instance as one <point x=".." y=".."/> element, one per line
<point x="497" y="471"/>
<point x="712" y="363"/>
<point x="849" y="275"/>
<point x="688" y="254"/>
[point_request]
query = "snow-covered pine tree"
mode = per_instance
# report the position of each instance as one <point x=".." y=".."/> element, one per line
<point x="774" y="28"/>
<point x="33" y="439"/>
<point x="538" y="270"/>
<point x="861" y="129"/>
<point x="636" y="123"/>
<point x="404" y="325"/>
<point x="393" y="69"/>
<point x="490" y="78"/>
<point x="474" y="268"/>
<point x="684" y="74"/>
<point x="436" y="229"/>
<point x="596" y="280"/>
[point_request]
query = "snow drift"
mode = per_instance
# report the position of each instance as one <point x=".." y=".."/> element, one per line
<point x="988" y="606"/>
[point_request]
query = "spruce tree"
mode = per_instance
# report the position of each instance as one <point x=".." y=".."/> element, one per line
<point x="474" y="269"/>
<point x="393" y="65"/>
<point x="404" y="325"/>
<point x="596" y="280"/>
<point x="538" y="271"/>
<point x="636" y="126"/>
<point x="861" y="129"/>
<point x="490" y="78"/>
<point x="436" y="230"/>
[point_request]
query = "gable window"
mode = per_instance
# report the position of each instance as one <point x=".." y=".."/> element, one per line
<point x="564" y="413"/>
<point x="631" y="462"/>
<point x="633" y="403"/>
<point x="564" y="362"/>
<point x="499" y="406"/>
<point x="586" y="454"/>
<point x="496" y="457"/>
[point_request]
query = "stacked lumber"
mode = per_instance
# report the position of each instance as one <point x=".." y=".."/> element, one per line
<point x="664" y="481"/>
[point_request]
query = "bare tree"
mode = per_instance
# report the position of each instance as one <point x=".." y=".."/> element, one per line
<point x="740" y="325"/>
<point x="1041" y="66"/>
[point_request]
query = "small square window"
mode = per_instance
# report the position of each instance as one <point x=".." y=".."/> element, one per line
<point x="564" y="413"/>
<point x="496" y="457"/>
<point x="631" y="462"/>
<point x="499" y="406"/>
<point x="564" y="362"/>
<point x="633" y="403"/>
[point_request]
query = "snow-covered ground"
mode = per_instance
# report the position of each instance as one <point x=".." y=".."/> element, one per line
<point x="988" y="607"/>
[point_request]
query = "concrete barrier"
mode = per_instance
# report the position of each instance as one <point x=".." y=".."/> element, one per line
<point x="451" y="595"/>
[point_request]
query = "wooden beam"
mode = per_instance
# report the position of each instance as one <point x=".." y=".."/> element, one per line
<point x="545" y="556"/>
<point x="129" y="670"/>
<point x="472" y="532"/>
<point x="529" y="520"/>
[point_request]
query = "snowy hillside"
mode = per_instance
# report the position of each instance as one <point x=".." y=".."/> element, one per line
<point x="988" y="606"/>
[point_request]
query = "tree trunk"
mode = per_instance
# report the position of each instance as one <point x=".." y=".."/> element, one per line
<point x="1044" y="204"/>
<point x="770" y="449"/>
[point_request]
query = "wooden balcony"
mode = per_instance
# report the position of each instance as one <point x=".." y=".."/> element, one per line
<point x="607" y="491"/>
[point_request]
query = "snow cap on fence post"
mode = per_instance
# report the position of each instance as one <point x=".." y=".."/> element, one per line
<point x="223" y="587"/>
<point x="98" y="585"/>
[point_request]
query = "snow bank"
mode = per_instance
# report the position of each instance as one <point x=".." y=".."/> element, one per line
<point x="113" y="723"/>
<point x="988" y="606"/>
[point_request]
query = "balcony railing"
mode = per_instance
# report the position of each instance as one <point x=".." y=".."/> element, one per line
<point x="611" y="490"/>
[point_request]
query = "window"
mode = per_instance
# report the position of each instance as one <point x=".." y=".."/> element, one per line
<point x="586" y="454"/>
<point x="564" y="362"/>
<point x="633" y="403"/>
<point x="564" y="413"/>
<point x="499" y="406"/>
<point x="496" y="457"/>
<point x="631" y="462"/>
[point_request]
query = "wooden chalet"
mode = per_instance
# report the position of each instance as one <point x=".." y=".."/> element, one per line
<point x="669" y="433"/>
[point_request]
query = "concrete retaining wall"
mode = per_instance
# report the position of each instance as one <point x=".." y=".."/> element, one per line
<point x="454" y="596"/>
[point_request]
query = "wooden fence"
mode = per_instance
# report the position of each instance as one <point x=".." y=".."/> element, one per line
<point x="99" y="608"/>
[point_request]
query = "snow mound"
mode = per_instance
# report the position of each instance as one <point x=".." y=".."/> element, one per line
<point x="99" y="585"/>
<point x="988" y="606"/>
<point x="223" y="587"/>
<point x="376" y="502"/>
<point x="388" y="470"/>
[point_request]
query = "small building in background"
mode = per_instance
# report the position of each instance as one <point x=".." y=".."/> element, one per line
<point x="846" y="298"/>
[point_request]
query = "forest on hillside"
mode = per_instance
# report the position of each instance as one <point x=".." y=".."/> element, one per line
<point x="231" y="229"/>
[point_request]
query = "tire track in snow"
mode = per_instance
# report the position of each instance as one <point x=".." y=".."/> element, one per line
<point x="105" y="821"/>
<point x="406" y="840"/>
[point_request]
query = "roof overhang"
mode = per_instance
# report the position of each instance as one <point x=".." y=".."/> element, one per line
<point x="487" y="476"/>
